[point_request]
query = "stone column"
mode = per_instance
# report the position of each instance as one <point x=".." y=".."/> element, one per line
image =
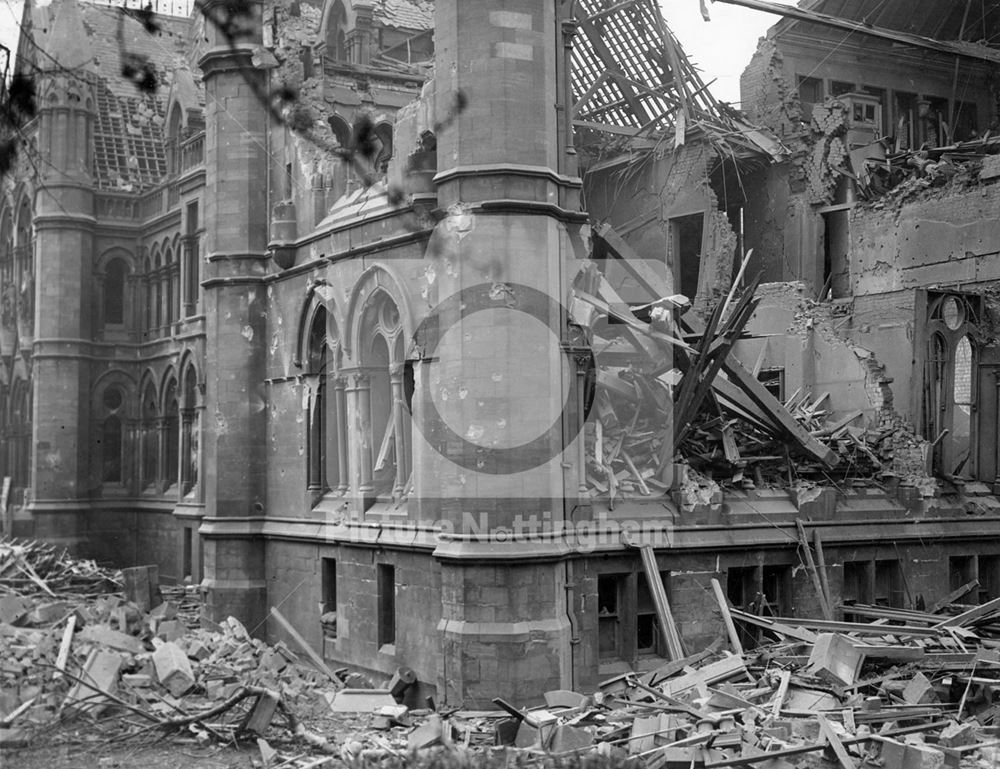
<point x="340" y="404"/>
<point x="360" y="393"/>
<point x="402" y="466"/>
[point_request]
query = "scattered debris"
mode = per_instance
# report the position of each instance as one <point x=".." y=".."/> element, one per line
<point x="909" y="689"/>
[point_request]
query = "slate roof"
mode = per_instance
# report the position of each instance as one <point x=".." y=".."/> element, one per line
<point x="405" y="14"/>
<point x="129" y="137"/>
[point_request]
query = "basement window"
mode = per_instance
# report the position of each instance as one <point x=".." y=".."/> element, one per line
<point x="857" y="587"/>
<point x="386" y="587"/>
<point x="961" y="571"/>
<point x="649" y="637"/>
<point x="777" y="584"/>
<point x="609" y="601"/>
<point x="989" y="578"/>
<point x="889" y="584"/>
<point x="328" y="618"/>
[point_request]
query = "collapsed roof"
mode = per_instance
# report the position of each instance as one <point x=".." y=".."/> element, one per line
<point x="631" y="77"/>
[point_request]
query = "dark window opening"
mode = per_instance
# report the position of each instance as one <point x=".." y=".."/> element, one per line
<point x="773" y="380"/>
<point x="810" y="93"/>
<point x="777" y="583"/>
<point x="686" y="242"/>
<point x="609" y="600"/>
<point x="836" y="248"/>
<point x="961" y="571"/>
<point x="187" y="555"/>
<point x="889" y="584"/>
<point x="329" y="588"/>
<point x="744" y="592"/>
<point x="966" y="123"/>
<point x="905" y="117"/>
<point x="857" y="587"/>
<point x="111" y="450"/>
<point x="989" y="578"/>
<point x="648" y="635"/>
<point x="933" y="112"/>
<point x="386" y="604"/>
<point x="840" y="87"/>
<point x="882" y="95"/>
<point x="114" y="292"/>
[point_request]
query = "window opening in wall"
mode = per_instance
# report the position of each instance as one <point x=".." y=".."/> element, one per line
<point x="187" y="555"/>
<point x="609" y="600"/>
<point x="905" y="116"/>
<point x="328" y="617"/>
<point x="810" y="94"/>
<point x="961" y="571"/>
<point x="857" y="586"/>
<point x="836" y="248"/>
<point x="933" y="115"/>
<point x="776" y="582"/>
<point x="966" y="122"/>
<point x="989" y="578"/>
<point x="743" y="589"/>
<point x="150" y="439"/>
<point x="961" y="423"/>
<point x="882" y="95"/>
<point x="172" y="428"/>
<point x="773" y="380"/>
<point x="111" y="449"/>
<point x="192" y="261"/>
<point x="686" y="234"/>
<point x="840" y="87"/>
<point x="888" y="584"/>
<point x="386" y="604"/>
<point x="114" y="292"/>
<point x="949" y="381"/>
<point x="648" y="635"/>
<point x="317" y="428"/>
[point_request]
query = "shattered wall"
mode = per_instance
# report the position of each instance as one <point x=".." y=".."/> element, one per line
<point x="639" y="199"/>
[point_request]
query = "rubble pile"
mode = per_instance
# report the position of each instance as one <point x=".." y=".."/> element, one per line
<point x="909" y="689"/>
<point x="31" y="566"/>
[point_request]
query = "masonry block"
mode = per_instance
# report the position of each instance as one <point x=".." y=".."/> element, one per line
<point x="173" y="668"/>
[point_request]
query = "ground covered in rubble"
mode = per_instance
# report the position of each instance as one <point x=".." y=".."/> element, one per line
<point x="106" y="669"/>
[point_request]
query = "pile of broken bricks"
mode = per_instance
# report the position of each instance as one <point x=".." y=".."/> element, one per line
<point x="909" y="689"/>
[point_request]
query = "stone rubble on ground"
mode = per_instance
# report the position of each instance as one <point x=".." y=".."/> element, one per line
<point x="919" y="692"/>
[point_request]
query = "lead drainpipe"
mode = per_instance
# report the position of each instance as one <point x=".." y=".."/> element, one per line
<point x="566" y="31"/>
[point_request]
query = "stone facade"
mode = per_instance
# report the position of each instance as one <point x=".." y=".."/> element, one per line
<point x="343" y="383"/>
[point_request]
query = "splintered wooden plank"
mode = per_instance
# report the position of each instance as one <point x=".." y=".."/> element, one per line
<point x="968" y="616"/>
<point x="846" y="762"/>
<point x="953" y="596"/>
<point x="761" y="397"/>
<point x="777" y="413"/>
<point x="727" y="618"/>
<point x="663" y="612"/>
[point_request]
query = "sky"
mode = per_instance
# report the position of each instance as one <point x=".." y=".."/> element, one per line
<point x="720" y="48"/>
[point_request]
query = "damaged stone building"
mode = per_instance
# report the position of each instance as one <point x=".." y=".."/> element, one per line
<point x="489" y="350"/>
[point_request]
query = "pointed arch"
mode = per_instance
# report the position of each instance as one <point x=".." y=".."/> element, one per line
<point x="338" y="19"/>
<point x="377" y="277"/>
<point x="321" y="356"/>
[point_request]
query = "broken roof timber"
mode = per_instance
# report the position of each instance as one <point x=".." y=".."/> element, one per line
<point x="755" y="391"/>
<point x="964" y="49"/>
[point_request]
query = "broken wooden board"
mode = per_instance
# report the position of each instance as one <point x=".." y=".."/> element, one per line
<point x="663" y="612"/>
